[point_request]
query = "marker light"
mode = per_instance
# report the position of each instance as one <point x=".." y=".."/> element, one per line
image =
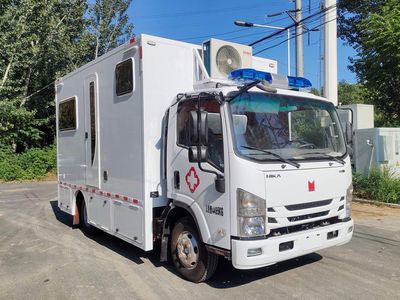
<point x="277" y="81"/>
<point x="250" y="75"/>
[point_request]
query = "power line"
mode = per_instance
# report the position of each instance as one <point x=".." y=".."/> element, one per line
<point x="194" y="38"/>
<point x="34" y="93"/>
<point x="198" y="12"/>
<point x="324" y="11"/>
<point x="292" y="37"/>
<point x="293" y="25"/>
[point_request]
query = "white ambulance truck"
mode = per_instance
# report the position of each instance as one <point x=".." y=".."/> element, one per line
<point x="187" y="145"/>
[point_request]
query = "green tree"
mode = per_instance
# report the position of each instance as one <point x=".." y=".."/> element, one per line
<point x="373" y="28"/>
<point x="315" y="91"/>
<point x="38" y="42"/>
<point x="352" y="93"/>
<point x="18" y="126"/>
<point x="41" y="40"/>
<point x="108" y="25"/>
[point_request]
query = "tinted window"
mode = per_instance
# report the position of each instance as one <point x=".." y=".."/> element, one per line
<point x="67" y="115"/>
<point x="215" y="138"/>
<point x="124" y="77"/>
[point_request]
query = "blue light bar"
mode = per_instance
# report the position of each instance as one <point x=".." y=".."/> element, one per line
<point x="250" y="75"/>
<point x="299" y="82"/>
<point x="285" y="82"/>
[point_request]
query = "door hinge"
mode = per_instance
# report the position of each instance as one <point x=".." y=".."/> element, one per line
<point x="86" y="135"/>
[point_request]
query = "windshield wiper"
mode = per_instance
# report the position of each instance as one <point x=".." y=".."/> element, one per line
<point x="293" y="163"/>
<point x="245" y="88"/>
<point x="334" y="158"/>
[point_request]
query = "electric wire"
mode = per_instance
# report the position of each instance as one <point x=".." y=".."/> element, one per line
<point x="292" y="37"/>
<point x="301" y="22"/>
<point x="238" y="30"/>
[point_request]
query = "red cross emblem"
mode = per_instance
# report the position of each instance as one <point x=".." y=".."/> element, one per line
<point x="311" y="186"/>
<point x="192" y="179"/>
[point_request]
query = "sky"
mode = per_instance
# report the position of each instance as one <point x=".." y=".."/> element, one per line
<point x="196" y="21"/>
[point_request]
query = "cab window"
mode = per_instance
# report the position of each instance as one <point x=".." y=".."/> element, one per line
<point x="215" y="138"/>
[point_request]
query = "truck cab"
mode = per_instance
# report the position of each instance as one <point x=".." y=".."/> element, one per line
<point x="264" y="172"/>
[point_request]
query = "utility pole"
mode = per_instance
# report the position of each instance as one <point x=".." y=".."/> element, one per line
<point x="330" y="52"/>
<point x="299" y="40"/>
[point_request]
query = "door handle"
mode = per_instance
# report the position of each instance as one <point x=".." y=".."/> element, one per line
<point x="117" y="203"/>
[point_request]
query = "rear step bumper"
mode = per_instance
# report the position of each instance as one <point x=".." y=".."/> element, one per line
<point x="251" y="254"/>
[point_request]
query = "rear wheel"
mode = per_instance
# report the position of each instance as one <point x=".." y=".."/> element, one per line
<point x="189" y="255"/>
<point x="85" y="226"/>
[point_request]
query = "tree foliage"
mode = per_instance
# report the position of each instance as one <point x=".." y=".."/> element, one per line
<point x="41" y="40"/>
<point x="108" y="25"/>
<point x="352" y="93"/>
<point x="372" y="27"/>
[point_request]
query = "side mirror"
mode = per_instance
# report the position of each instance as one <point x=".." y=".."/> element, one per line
<point x="198" y="128"/>
<point x="197" y="156"/>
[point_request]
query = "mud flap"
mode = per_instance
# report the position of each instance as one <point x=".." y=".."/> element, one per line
<point x="75" y="219"/>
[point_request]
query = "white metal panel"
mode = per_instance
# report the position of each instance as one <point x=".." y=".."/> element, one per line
<point x="128" y="219"/>
<point x="265" y="64"/>
<point x="377" y="147"/>
<point x="99" y="210"/>
<point x="167" y="68"/>
<point x="71" y="156"/>
<point x="363" y="115"/>
<point x="65" y="199"/>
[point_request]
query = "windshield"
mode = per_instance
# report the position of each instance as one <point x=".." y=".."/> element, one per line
<point x="267" y="126"/>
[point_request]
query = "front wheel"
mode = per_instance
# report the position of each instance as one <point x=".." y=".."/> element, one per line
<point x="189" y="255"/>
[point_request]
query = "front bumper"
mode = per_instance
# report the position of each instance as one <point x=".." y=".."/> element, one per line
<point x="304" y="242"/>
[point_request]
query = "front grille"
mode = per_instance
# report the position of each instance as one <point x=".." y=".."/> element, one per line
<point x="308" y="205"/>
<point x="301" y="227"/>
<point x="308" y="216"/>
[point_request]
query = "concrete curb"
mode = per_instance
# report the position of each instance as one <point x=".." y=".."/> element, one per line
<point x="377" y="203"/>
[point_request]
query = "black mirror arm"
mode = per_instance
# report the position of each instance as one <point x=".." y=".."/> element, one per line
<point x="209" y="171"/>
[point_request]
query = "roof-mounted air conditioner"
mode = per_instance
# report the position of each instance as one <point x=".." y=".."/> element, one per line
<point x="221" y="57"/>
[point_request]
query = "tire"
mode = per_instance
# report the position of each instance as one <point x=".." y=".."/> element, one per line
<point x="189" y="255"/>
<point x="84" y="224"/>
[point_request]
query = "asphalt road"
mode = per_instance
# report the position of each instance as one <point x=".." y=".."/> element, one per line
<point x="43" y="257"/>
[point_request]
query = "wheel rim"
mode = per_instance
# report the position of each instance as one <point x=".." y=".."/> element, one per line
<point x="187" y="250"/>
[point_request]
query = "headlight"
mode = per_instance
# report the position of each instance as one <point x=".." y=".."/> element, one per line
<point x="251" y="214"/>
<point x="349" y="199"/>
<point x="252" y="226"/>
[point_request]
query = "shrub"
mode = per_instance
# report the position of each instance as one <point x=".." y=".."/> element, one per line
<point x="32" y="164"/>
<point x="379" y="186"/>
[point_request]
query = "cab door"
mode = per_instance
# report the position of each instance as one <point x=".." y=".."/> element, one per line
<point x="195" y="186"/>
